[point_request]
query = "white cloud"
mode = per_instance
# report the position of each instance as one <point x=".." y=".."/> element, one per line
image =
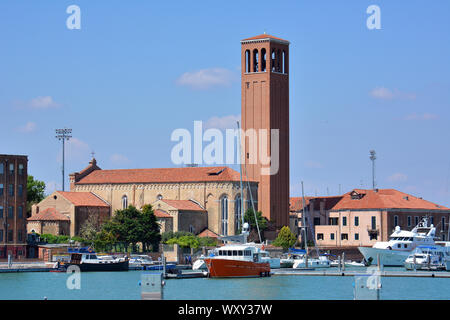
<point x="222" y="123"/>
<point x="387" y="94"/>
<point x="28" y="127"/>
<point x="38" y="103"/>
<point x="425" y="116"/>
<point x="206" y="78"/>
<point x="398" y="177"/>
<point x="118" y="159"/>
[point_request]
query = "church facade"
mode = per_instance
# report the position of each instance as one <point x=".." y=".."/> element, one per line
<point x="195" y="198"/>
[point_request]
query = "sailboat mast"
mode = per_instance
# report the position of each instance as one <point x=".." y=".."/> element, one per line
<point x="240" y="171"/>
<point x="304" y="219"/>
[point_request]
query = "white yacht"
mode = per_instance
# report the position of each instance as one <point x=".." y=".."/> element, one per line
<point x="429" y="258"/>
<point x="400" y="245"/>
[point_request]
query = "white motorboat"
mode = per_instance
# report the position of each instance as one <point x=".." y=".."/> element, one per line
<point x="321" y="262"/>
<point x="429" y="258"/>
<point x="400" y="245"/>
<point x="200" y="264"/>
<point x="335" y="263"/>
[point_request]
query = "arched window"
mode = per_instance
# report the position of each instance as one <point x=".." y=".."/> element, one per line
<point x="159" y="197"/>
<point x="255" y="60"/>
<point x="224" y="215"/>
<point x="247" y="61"/>
<point x="237" y="213"/>
<point x="274" y="59"/>
<point x="263" y="60"/>
<point x="124" y="202"/>
<point x="279" y="61"/>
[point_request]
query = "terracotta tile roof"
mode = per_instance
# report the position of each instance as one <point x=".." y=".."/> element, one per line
<point x="296" y="203"/>
<point x="184" y="205"/>
<point x="162" y="214"/>
<point x="84" y="199"/>
<point x="50" y="214"/>
<point x="383" y="199"/>
<point x="161" y="175"/>
<point x="264" y="36"/>
<point x="208" y="233"/>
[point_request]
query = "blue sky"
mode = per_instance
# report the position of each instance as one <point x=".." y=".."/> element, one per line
<point x="137" y="70"/>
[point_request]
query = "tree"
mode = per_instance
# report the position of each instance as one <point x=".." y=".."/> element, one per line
<point x="249" y="217"/>
<point x="90" y="227"/>
<point x="151" y="235"/>
<point x="131" y="226"/>
<point x="185" y="241"/>
<point x="285" y="238"/>
<point x="35" y="192"/>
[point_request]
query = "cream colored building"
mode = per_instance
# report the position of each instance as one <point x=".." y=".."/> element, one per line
<point x="216" y="190"/>
<point x="363" y="217"/>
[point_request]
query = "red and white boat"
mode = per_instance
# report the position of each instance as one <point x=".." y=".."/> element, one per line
<point x="238" y="260"/>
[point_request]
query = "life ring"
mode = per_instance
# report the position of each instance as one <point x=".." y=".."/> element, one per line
<point x="263" y="247"/>
<point x="90" y="250"/>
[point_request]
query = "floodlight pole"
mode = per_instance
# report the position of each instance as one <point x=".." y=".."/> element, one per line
<point x="373" y="157"/>
<point x="63" y="135"/>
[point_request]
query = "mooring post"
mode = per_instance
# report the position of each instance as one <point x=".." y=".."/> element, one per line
<point x="378" y="262"/>
<point x="339" y="263"/>
<point x="343" y="261"/>
<point x="152" y="286"/>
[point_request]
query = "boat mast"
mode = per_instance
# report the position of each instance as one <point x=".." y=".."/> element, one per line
<point x="240" y="172"/>
<point x="248" y="189"/>
<point x="304" y="220"/>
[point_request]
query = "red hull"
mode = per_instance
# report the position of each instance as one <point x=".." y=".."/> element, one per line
<point x="236" y="268"/>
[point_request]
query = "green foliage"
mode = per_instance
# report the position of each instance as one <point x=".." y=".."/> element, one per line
<point x="131" y="226"/>
<point x="52" y="239"/>
<point x="285" y="238"/>
<point x="207" y="242"/>
<point x="170" y="235"/>
<point x="249" y="217"/>
<point x="90" y="228"/>
<point x="185" y="241"/>
<point x="35" y="192"/>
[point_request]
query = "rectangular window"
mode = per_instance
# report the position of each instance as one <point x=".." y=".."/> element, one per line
<point x="2" y="168"/>
<point x="19" y="236"/>
<point x="1" y="235"/>
<point x="356" y="236"/>
<point x="344" y="221"/>
<point x="442" y="223"/>
<point x="11" y="212"/>
<point x="20" y="190"/>
<point x="20" y="169"/>
<point x="334" y="221"/>
<point x="416" y="220"/>
<point x="432" y="220"/>
<point x="320" y="236"/>
<point x="10" y="235"/>
<point x="11" y="168"/>
<point x="316" y="221"/>
<point x="409" y="221"/>
<point x="1" y="189"/>
<point x="332" y="236"/>
<point x="1" y="212"/>
<point x="344" y="236"/>
<point x="20" y="212"/>
<point x="356" y="221"/>
<point x="395" y="221"/>
<point x="374" y="223"/>
<point x="11" y="190"/>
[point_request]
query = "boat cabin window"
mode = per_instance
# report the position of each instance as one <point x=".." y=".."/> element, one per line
<point x="247" y="252"/>
<point x="240" y="253"/>
<point x="234" y="253"/>
<point x="230" y="253"/>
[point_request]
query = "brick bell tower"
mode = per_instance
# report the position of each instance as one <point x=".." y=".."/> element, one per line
<point x="265" y="105"/>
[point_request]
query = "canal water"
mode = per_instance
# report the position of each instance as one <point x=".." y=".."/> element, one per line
<point x="125" y="286"/>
